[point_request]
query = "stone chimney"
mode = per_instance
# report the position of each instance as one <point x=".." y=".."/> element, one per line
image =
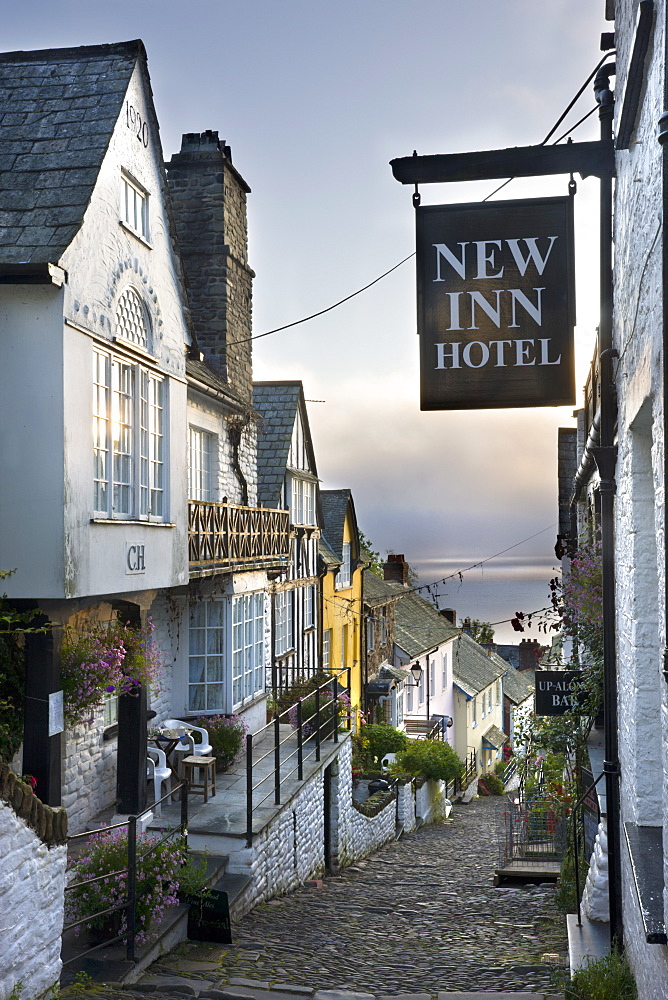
<point x="450" y="614"/>
<point x="529" y="654"/>
<point x="466" y="626"/>
<point x="395" y="570"/>
<point x="209" y="207"/>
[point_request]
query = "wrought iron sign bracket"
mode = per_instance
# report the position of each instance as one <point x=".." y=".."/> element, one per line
<point x="588" y="159"/>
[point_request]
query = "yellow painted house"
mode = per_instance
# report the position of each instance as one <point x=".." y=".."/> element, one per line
<point x="341" y="592"/>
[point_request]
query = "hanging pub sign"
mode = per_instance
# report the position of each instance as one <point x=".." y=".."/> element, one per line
<point x="496" y="304"/>
<point x="554" y="691"/>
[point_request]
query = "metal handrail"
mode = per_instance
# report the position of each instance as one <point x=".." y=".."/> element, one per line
<point x="130" y="871"/>
<point x="576" y="859"/>
<point x="280" y="774"/>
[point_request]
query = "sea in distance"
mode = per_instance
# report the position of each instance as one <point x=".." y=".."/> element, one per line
<point x="494" y="592"/>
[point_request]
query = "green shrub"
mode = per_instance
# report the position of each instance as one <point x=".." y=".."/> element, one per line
<point x="493" y="783"/>
<point x="227" y="734"/>
<point x="431" y="758"/>
<point x="608" y="978"/>
<point x="383" y="739"/>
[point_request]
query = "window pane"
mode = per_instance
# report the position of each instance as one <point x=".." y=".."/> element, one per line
<point x="215" y="694"/>
<point x="197" y="641"/>
<point x="214" y="668"/>
<point x="196" y="666"/>
<point x="196" y="698"/>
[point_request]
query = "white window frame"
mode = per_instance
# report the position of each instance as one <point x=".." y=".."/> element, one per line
<point x="343" y="577"/>
<point x="474" y="712"/>
<point x="110" y="710"/>
<point x="309" y="606"/>
<point x="444" y="675"/>
<point x="231" y="650"/>
<point x="370" y="635"/>
<point x="326" y="648"/>
<point x="399" y="705"/>
<point x="421" y="689"/>
<point x="409" y="697"/>
<point x="130" y="443"/>
<point x="200" y="454"/>
<point x="134" y="208"/>
<point x="432" y="677"/>
<point x="283" y="622"/>
<point x="248" y="677"/>
<point x="302" y="507"/>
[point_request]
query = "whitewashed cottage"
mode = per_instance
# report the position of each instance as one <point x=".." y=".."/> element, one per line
<point x="148" y="507"/>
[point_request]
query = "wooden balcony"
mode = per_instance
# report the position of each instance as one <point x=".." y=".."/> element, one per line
<point x="229" y="535"/>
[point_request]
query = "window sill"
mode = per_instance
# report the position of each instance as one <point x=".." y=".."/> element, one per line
<point x="133" y="232"/>
<point x="110" y="733"/>
<point x="133" y="521"/>
<point x="645" y="844"/>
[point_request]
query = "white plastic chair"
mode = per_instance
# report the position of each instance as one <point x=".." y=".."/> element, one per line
<point x="200" y="749"/>
<point x="157" y="772"/>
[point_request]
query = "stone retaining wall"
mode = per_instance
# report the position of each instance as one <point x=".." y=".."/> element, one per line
<point x="32" y="887"/>
<point x="291" y="848"/>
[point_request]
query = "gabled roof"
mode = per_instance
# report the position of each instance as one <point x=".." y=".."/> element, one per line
<point x="278" y="404"/>
<point x="519" y="686"/>
<point x="473" y="668"/>
<point x="495" y="737"/>
<point x="417" y="624"/>
<point x="334" y="507"/>
<point x="60" y="107"/>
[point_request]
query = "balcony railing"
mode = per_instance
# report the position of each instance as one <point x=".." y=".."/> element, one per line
<point x="229" y="534"/>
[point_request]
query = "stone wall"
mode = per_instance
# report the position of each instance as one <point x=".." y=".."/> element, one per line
<point x="291" y="848"/>
<point x="32" y="887"/>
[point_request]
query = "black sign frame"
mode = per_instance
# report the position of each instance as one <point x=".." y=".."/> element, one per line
<point x="554" y="691"/>
<point x="496" y="304"/>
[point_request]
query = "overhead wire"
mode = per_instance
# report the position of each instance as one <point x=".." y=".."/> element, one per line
<point x="321" y="312"/>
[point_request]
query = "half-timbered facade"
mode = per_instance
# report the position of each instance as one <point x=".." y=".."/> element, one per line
<point x="287" y="477"/>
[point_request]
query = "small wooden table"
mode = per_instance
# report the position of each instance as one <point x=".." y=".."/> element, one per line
<point x="208" y="766"/>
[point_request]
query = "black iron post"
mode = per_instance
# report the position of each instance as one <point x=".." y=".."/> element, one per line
<point x="277" y="760"/>
<point x="41" y="752"/>
<point x="300" y="743"/>
<point x="605" y="457"/>
<point x="131" y="776"/>
<point x="249" y="790"/>
<point x="132" y="887"/>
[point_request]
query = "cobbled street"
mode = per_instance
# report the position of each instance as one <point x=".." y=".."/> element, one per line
<point x="421" y="916"/>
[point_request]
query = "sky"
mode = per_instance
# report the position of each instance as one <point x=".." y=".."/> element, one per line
<point x="315" y="97"/>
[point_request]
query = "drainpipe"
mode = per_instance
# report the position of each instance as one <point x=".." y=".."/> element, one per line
<point x="605" y="456"/>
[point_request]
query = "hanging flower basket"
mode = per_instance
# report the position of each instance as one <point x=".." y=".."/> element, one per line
<point x="105" y="659"/>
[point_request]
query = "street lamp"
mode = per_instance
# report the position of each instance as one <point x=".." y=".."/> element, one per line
<point x="416" y="671"/>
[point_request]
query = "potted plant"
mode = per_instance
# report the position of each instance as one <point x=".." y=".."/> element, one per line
<point x="227" y="735"/>
<point x="106" y="854"/>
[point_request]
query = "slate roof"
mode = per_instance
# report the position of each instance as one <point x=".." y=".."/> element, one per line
<point x="518" y="686"/>
<point x="326" y="553"/>
<point x="417" y="624"/>
<point x="278" y="404"/>
<point x="58" y="108"/>
<point x="495" y="737"/>
<point x="377" y="592"/>
<point x="473" y="669"/>
<point x="200" y="371"/>
<point x="334" y="504"/>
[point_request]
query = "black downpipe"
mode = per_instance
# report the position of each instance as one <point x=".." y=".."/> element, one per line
<point x="605" y="456"/>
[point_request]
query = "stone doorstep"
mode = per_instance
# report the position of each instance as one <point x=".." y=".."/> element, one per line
<point x="591" y="941"/>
